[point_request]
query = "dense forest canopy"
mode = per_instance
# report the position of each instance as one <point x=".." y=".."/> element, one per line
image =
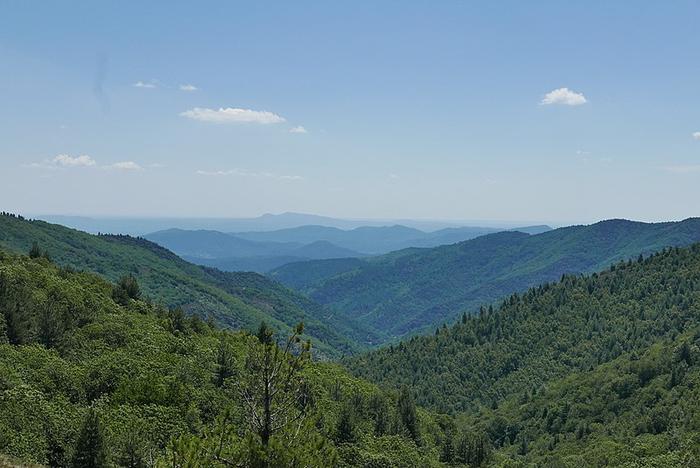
<point x="92" y="376"/>
<point x="606" y="365"/>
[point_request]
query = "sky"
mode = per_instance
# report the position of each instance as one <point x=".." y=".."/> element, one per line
<point x="495" y="110"/>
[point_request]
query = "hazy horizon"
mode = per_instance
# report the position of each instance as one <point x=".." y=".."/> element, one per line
<point x="512" y="111"/>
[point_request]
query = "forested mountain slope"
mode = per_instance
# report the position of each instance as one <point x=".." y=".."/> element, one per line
<point x="595" y="370"/>
<point x="91" y="376"/>
<point x="408" y="290"/>
<point x="237" y="300"/>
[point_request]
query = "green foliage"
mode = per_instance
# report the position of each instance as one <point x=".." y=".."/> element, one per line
<point x="130" y="385"/>
<point x="90" y="450"/>
<point x="235" y="300"/>
<point x="415" y="290"/>
<point x="601" y="370"/>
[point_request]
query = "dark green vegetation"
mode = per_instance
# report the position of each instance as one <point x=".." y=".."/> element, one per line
<point x="409" y="290"/>
<point x="91" y="377"/>
<point x="236" y="300"/>
<point x="592" y="371"/>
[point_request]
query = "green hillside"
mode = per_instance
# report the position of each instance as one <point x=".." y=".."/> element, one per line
<point x="87" y="381"/>
<point x="594" y="370"/>
<point x="236" y="300"/>
<point x="410" y="290"/>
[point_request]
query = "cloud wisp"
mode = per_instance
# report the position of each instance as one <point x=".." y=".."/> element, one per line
<point x="298" y="129"/>
<point x="696" y="135"/>
<point x="65" y="161"/>
<point x="232" y="115"/>
<point x="188" y="87"/>
<point x="247" y="173"/>
<point x="563" y="97"/>
<point x="682" y="168"/>
<point x="146" y="84"/>
<point x="124" y="166"/>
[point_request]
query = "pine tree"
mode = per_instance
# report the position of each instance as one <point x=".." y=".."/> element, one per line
<point x="91" y="449"/>
<point x="35" y="251"/>
<point x="407" y="414"/>
<point x="224" y="362"/>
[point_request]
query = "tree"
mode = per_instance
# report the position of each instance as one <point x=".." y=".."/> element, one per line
<point x="265" y="334"/>
<point x="270" y="391"/>
<point x="91" y="449"/>
<point x="407" y="414"/>
<point x="224" y="362"/>
<point x="35" y="251"/>
<point x="126" y="288"/>
<point x="345" y="429"/>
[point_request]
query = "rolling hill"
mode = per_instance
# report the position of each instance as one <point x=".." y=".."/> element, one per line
<point x="232" y="253"/>
<point x="87" y="380"/>
<point x="412" y="289"/>
<point x="236" y="300"/>
<point x="377" y="239"/>
<point x="599" y="370"/>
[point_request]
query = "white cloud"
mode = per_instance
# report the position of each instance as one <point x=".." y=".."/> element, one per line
<point x="64" y="160"/>
<point x="298" y="129"/>
<point x="146" y="84"/>
<point x="246" y="173"/>
<point x="394" y="176"/>
<point x="696" y="135"/>
<point x="682" y="169"/>
<point x="124" y="166"/>
<point x="232" y="115"/>
<point x="188" y="87"/>
<point x="563" y="96"/>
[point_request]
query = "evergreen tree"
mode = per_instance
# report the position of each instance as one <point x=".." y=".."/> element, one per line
<point x="91" y="449"/>
<point x="35" y="251"/>
<point x="407" y="414"/>
<point x="265" y="334"/>
<point x="224" y="362"/>
<point x="345" y="429"/>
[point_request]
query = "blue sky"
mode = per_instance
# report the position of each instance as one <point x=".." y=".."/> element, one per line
<point x="408" y="109"/>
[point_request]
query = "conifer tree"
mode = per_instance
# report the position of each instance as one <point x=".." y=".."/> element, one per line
<point x="91" y="449"/>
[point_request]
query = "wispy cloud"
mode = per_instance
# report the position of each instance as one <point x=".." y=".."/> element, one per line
<point x="247" y="173"/>
<point x="232" y="115"/>
<point x="65" y="161"/>
<point x="682" y="168"/>
<point x="394" y="176"/>
<point x="146" y="84"/>
<point x="298" y="129"/>
<point x="563" y="96"/>
<point x="696" y="135"/>
<point x="188" y="87"/>
<point x="124" y="166"/>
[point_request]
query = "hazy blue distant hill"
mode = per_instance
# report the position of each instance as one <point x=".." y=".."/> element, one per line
<point x="268" y="222"/>
<point x="378" y="239"/>
<point x="409" y="290"/>
<point x="231" y="253"/>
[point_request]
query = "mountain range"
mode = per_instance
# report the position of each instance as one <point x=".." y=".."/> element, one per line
<point x="138" y="226"/>
<point x="262" y="251"/>
<point x="414" y="289"/>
